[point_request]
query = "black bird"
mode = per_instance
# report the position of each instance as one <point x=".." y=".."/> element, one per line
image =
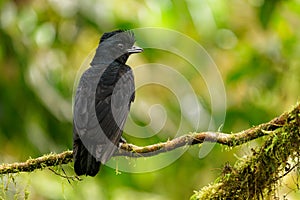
<point x="102" y="102"/>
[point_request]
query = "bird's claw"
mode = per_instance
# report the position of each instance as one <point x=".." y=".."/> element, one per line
<point x="122" y="140"/>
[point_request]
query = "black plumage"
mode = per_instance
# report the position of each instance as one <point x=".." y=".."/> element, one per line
<point x="102" y="102"/>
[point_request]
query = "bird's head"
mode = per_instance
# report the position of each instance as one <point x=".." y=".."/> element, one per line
<point x="116" y="46"/>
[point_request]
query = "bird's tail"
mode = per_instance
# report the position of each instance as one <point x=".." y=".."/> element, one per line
<point x="84" y="162"/>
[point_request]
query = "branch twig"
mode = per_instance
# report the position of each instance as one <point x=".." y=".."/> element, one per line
<point x="131" y="150"/>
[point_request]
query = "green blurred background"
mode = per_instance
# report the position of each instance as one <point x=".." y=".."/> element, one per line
<point x="254" y="43"/>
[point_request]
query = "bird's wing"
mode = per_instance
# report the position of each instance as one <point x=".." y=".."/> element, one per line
<point x="86" y="125"/>
<point x="100" y="110"/>
<point x="112" y="106"/>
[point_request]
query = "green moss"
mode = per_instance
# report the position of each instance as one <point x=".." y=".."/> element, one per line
<point x="257" y="176"/>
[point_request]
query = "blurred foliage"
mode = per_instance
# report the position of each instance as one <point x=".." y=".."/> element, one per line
<point x="254" y="43"/>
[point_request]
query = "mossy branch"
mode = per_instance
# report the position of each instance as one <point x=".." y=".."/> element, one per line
<point x="257" y="176"/>
<point x="131" y="150"/>
<point x="37" y="163"/>
<point x="233" y="139"/>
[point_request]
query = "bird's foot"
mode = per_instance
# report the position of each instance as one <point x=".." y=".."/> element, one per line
<point x="122" y="140"/>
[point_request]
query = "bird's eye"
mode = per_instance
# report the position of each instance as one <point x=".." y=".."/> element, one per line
<point x="120" y="45"/>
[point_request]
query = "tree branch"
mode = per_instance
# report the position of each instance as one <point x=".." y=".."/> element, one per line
<point x="234" y="139"/>
<point x="131" y="150"/>
<point x="37" y="163"/>
<point x="258" y="175"/>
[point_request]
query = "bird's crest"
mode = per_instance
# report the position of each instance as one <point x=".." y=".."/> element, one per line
<point x="123" y="33"/>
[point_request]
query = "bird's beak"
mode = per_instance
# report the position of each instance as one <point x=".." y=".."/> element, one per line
<point x="135" y="49"/>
